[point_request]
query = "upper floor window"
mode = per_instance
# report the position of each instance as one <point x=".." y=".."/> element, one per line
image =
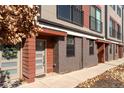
<point x="70" y="46"/>
<point x="95" y="19"/>
<point x="112" y="31"/>
<point x="118" y="32"/>
<point x="70" y="13"/>
<point x="119" y="11"/>
<point x="64" y="12"/>
<point x="110" y="27"/>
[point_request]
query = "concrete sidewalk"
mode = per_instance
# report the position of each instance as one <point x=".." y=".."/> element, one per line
<point x="72" y="79"/>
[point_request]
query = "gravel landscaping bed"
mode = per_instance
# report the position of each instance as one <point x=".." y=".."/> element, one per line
<point x="113" y="78"/>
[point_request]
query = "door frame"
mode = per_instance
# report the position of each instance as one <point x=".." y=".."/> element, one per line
<point x="45" y="50"/>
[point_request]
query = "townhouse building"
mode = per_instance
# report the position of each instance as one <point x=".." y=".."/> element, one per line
<point x="84" y="44"/>
<point x="73" y="37"/>
<point x="114" y="31"/>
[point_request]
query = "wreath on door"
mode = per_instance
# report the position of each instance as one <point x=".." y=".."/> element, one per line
<point x="9" y="52"/>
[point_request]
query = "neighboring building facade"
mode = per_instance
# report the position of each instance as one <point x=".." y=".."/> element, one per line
<point x="114" y="32"/>
<point x="73" y="37"/>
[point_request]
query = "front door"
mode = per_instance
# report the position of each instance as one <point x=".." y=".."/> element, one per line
<point x="9" y="62"/>
<point x="40" y="57"/>
<point x="100" y="54"/>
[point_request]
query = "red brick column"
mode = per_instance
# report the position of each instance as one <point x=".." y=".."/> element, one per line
<point x="50" y="45"/>
<point x="86" y="9"/>
<point x="28" y="60"/>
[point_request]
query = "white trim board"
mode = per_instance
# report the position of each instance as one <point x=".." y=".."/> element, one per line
<point x="113" y="42"/>
<point x="70" y="32"/>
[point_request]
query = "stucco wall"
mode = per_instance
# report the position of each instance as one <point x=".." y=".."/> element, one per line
<point x="48" y="12"/>
<point x="67" y="64"/>
<point x="89" y="60"/>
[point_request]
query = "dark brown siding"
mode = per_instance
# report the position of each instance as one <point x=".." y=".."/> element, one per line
<point x="120" y="51"/>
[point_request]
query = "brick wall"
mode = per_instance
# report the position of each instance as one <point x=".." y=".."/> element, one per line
<point x="86" y="10"/>
<point x="28" y="60"/>
<point x="50" y="45"/>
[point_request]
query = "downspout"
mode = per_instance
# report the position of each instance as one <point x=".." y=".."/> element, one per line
<point x="106" y="32"/>
<point x="106" y="20"/>
<point x="122" y="25"/>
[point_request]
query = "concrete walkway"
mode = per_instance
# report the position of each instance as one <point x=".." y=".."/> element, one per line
<point x="72" y="79"/>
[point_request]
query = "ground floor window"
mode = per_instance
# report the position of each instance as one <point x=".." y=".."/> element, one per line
<point x="91" y="47"/>
<point x="70" y="46"/>
<point x="110" y="48"/>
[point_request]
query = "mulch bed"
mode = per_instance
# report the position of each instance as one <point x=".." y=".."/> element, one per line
<point x="113" y="78"/>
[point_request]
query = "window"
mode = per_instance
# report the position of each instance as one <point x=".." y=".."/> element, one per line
<point x="98" y="22"/>
<point x="112" y="28"/>
<point x="77" y="14"/>
<point x="64" y="11"/>
<point x="95" y="19"/>
<point x="9" y="64"/>
<point x="110" y="48"/>
<point x="10" y="71"/>
<point x="119" y="11"/>
<point x="92" y="19"/>
<point x="70" y="46"/>
<point x="70" y="13"/>
<point x="91" y="47"/>
<point x="118" y="32"/>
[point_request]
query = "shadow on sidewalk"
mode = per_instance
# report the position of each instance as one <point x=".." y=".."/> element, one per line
<point x="102" y="83"/>
<point x="6" y="82"/>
